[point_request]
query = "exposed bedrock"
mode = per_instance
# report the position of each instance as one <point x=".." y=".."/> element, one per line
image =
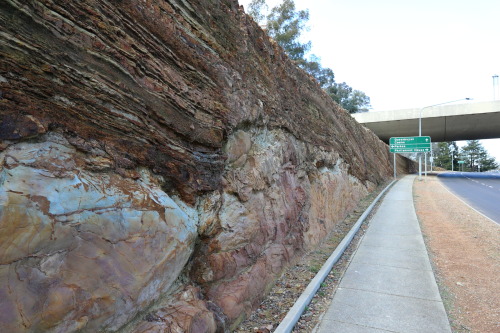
<point x="161" y="163"/>
<point x="280" y="196"/>
<point x="82" y="249"/>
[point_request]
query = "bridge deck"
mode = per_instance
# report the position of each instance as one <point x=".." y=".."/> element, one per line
<point x="442" y="123"/>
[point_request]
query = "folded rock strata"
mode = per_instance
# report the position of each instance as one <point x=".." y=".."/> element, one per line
<point x="161" y="162"/>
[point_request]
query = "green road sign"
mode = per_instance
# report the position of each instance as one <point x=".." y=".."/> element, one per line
<point x="410" y="140"/>
<point x="461" y="162"/>
<point x="410" y="144"/>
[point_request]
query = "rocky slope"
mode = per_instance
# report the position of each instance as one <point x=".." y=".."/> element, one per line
<point x="160" y="163"/>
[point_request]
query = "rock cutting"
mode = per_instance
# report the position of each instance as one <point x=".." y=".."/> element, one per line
<point x="161" y="163"/>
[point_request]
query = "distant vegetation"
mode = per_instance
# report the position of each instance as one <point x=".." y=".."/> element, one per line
<point x="285" y="25"/>
<point x="474" y="155"/>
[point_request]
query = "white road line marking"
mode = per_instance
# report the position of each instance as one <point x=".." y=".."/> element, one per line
<point x="456" y="196"/>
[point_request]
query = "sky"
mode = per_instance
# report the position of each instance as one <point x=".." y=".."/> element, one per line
<point x="408" y="54"/>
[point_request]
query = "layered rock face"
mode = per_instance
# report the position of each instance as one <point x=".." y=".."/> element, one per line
<point x="161" y="162"/>
<point x="80" y="248"/>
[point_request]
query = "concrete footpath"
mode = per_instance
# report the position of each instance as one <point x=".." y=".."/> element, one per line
<point x="389" y="285"/>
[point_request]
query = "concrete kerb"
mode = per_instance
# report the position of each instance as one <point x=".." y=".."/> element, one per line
<point x="305" y="298"/>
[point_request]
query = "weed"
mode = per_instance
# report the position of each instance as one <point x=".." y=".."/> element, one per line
<point x="314" y="268"/>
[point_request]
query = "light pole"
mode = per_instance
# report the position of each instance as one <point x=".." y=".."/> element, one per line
<point x="420" y="130"/>
<point x="432" y="158"/>
<point x="495" y="87"/>
<point x="452" y="151"/>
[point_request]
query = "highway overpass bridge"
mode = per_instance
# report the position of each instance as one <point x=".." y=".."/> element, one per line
<point x="442" y="123"/>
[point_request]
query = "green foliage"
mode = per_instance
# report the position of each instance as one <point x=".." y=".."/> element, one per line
<point x="314" y="268"/>
<point x="256" y="9"/>
<point x="285" y="24"/>
<point x="324" y="76"/>
<point x="476" y="157"/>
<point x="358" y="102"/>
<point x="443" y="155"/>
<point x="352" y="100"/>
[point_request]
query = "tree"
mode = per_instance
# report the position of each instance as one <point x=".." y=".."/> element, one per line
<point x="257" y="9"/>
<point x="324" y="76"/>
<point x="476" y="157"/>
<point x="285" y="25"/>
<point x="352" y="100"/>
<point x="489" y="163"/>
<point x="443" y="155"/>
<point x="357" y="102"/>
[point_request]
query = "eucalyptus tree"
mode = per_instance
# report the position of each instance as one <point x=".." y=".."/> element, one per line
<point x="285" y="24"/>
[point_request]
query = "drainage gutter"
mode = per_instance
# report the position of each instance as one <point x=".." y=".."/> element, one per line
<point x="293" y="315"/>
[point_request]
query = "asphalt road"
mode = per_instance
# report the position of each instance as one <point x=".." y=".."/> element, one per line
<point x="479" y="190"/>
